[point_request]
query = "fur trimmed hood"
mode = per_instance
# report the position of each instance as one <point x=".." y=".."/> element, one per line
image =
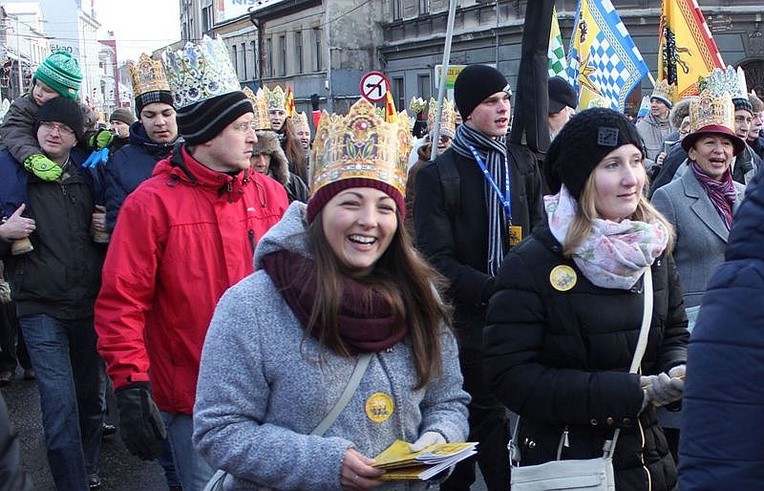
<point x="268" y="143"/>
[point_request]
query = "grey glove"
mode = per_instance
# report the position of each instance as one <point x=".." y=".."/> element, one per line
<point x="661" y="389"/>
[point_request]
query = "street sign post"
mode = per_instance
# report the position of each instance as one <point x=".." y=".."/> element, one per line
<point x="374" y="86"/>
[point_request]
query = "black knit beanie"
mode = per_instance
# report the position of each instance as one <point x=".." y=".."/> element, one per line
<point x="476" y="83"/>
<point x="147" y="98"/>
<point x="204" y="120"/>
<point x="582" y="143"/>
<point x="744" y="104"/>
<point x="62" y="110"/>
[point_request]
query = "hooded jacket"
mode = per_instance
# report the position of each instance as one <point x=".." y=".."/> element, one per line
<point x="268" y="143"/>
<point x="184" y="236"/>
<point x="723" y="405"/>
<point x="653" y="131"/>
<point x="129" y="166"/>
<point x="264" y="386"/>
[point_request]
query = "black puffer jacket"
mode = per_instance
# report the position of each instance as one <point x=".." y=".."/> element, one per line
<point x="561" y="360"/>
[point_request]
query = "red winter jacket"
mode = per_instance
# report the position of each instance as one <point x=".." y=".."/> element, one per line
<point x="182" y="238"/>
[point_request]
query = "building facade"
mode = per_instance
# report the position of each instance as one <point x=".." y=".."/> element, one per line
<point x="23" y="46"/>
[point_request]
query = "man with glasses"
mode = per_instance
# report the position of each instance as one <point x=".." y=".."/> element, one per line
<point x="182" y="238"/>
<point x="55" y="287"/>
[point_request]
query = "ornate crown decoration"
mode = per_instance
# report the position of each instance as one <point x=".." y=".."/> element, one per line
<point x="417" y="105"/>
<point x="199" y="72"/>
<point x="275" y="98"/>
<point x="447" y="118"/>
<point x="711" y="108"/>
<point x="301" y="119"/>
<point x="720" y="81"/>
<point x="148" y="75"/>
<point x="664" y="90"/>
<point x="361" y="144"/>
<point x="262" y="121"/>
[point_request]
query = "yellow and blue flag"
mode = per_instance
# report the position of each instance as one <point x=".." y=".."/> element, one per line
<point x="558" y="65"/>
<point x="604" y="64"/>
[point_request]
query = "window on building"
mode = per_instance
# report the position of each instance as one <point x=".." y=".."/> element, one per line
<point x="317" y="65"/>
<point x="243" y="61"/>
<point x="400" y="99"/>
<point x="397" y="12"/>
<point x="298" y="52"/>
<point x="269" y="54"/>
<point x="424" y="7"/>
<point x="282" y="55"/>
<point x="256" y="69"/>
<point x="235" y="59"/>
<point x="423" y="88"/>
<point x="207" y="19"/>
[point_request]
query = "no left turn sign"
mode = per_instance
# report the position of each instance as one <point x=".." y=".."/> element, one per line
<point x="374" y="86"/>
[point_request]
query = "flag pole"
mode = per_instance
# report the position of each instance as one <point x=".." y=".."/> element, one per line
<point x="435" y="132"/>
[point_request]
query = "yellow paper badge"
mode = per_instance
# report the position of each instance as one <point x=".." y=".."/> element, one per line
<point x="563" y="278"/>
<point x="379" y="407"/>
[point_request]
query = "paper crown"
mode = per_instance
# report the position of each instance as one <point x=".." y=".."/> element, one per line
<point x="720" y="81"/>
<point x="300" y="119"/>
<point x="447" y="118"/>
<point x="417" y="105"/>
<point x="261" y="120"/>
<point x="712" y="109"/>
<point x="199" y="72"/>
<point x="361" y="144"/>
<point x="276" y="98"/>
<point x="664" y="91"/>
<point x="148" y="76"/>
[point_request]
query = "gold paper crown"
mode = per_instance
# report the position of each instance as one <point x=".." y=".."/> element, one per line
<point x="711" y="108"/>
<point x="148" y="75"/>
<point x="417" y="105"/>
<point x="361" y="144"/>
<point x="720" y="81"/>
<point x="664" y="91"/>
<point x="262" y="121"/>
<point x="447" y="118"/>
<point x="301" y="119"/>
<point x="275" y="98"/>
<point x="199" y="72"/>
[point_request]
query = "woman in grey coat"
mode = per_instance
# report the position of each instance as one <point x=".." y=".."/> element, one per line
<point x="334" y="279"/>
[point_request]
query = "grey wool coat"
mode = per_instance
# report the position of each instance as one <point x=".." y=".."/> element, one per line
<point x="262" y="389"/>
<point x="701" y="237"/>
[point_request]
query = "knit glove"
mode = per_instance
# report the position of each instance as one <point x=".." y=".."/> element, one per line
<point x="100" y="139"/>
<point x="428" y="438"/>
<point x="140" y="422"/>
<point x="661" y="389"/>
<point x="44" y="168"/>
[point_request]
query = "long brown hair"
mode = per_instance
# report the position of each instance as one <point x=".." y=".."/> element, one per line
<point x="293" y="150"/>
<point x="403" y="277"/>
<point x="581" y="227"/>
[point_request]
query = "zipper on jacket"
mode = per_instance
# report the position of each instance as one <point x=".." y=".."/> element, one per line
<point x="251" y="235"/>
<point x="564" y="442"/>
<point x="229" y="190"/>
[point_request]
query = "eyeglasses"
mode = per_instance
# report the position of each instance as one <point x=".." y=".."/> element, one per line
<point x="244" y="127"/>
<point x="62" y="128"/>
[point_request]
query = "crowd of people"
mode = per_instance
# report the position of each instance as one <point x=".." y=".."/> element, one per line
<point x="272" y="310"/>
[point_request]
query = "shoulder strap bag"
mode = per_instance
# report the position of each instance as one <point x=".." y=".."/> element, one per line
<point x="362" y="363"/>
<point x="584" y="474"/>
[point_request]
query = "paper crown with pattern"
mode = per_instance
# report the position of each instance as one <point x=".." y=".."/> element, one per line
<point x="300" y="119"/>
<point x="199" y="72"/>
<point x="447" y="118"/>
<point x="417" y="105"/>
<point x="726" y="80"/>
<point x="261" y="120"/>
<point x="276" y="98"/>
<point x="712" y="109"/>
<point x="361" y="144"/>
<point x="148" y="75"/>
<point x="664" y="91"/>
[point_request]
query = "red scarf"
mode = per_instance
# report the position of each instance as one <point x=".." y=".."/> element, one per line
<point x="722" y="193"/>
<point x="364" y="327"/>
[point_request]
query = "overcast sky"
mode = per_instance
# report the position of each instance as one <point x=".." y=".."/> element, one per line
<point x="139" y="25"/>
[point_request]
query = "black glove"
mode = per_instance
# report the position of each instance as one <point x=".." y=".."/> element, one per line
<point x="140" y="422"/>
<point x="314" y="99"/>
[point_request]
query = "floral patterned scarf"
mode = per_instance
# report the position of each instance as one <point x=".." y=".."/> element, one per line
<point x="616" y="254"/>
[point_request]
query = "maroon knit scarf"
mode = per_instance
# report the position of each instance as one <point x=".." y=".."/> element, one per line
<point x="364" y="328"/>
<point x="722" y="193"/>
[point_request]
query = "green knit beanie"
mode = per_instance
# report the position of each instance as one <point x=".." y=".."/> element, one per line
<point x="61" y="72"/>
